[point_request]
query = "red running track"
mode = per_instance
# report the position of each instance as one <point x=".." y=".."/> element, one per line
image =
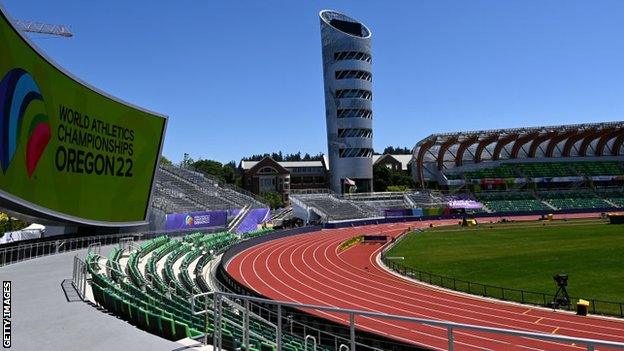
<point x="308" y="268"/>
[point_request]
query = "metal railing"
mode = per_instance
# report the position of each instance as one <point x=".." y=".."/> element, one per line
<point x="508" y="294"/>
<point x="41" y="248"/>
<point x="451" y="327"/>
<point x="79" y="277"/>
<point x="304" y="329"/>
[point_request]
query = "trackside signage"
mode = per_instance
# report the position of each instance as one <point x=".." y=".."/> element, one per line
<point x="66" y="149"/>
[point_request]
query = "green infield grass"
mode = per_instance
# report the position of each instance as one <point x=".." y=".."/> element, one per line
<point x="523" y="256"/>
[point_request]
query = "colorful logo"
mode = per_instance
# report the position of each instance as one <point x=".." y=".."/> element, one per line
<point x="18" y="91"/>
<point x="188" y="221"/>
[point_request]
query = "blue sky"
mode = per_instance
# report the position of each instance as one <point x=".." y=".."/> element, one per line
<point x="244" y="77"/>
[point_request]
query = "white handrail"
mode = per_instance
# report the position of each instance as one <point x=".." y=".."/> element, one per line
<point x="450" y="326"/>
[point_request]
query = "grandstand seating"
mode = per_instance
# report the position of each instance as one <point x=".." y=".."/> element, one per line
<point x="504" y="171"/>
<point x="558" y="199"/>
<point x="511" y="202"/>
<point x="575" y="199"/>
<point x="333" y="208"/>
<point x="379" y="202"/>
<point x="178" y="190"/>
<point x="608" y="168"/>
<point x="545" y="169"/>
<point x="613" y="195"/>
<point x="160" y="304"/>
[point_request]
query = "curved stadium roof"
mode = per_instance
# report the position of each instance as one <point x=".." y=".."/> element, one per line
<point x="449" y="150"/>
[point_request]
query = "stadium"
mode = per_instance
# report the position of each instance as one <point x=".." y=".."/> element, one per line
<point x="510" y="239"/>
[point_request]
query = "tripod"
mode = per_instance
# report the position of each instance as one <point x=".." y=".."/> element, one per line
<point x="561" y="297"/>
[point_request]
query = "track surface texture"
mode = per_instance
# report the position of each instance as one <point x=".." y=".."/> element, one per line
<point x="308" y="268"/>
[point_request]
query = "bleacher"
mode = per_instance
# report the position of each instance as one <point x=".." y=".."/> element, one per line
<point x="613" y="195"/>
<point x="608" y="168"/>
<point x="544" y="170"/>
<point x="179" y="190"/>
<point x="333" y="208"/>
<point x="426" y="198"/>
<point x="379" y="202"/>
<point x="511" y="202"/>
<point x="574" y="199"/>
<point x="158" y="301"/>
<point x="503" y="171"/>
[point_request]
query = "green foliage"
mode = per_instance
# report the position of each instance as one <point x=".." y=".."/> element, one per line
<point x="210" y="167"/>
<point x="525" y="256"/>
<point x="187" y="161"/>
<point x="224" y="172"/>
<point x="274" y="199"/>
<point x="397" y="150"/>
<point x="165" y="161"/>
<point x="384" y="178"/>
<point x="401" y="179"/>
<point x="8" y="224"/>
<point x="279" y="157"/>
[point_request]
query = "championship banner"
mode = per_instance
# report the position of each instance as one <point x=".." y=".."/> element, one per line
<point x="196" y="220"/>
<point x="67" y="150"/>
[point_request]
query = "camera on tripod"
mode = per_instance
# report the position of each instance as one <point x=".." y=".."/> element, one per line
<point x="561" y="279"/>
<point x="561" y="296"/>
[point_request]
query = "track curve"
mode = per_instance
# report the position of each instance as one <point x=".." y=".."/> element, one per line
<point x="308" y="268"/>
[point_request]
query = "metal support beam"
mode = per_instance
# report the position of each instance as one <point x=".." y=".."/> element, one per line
<point x="352" y="330"/>
<point x="279" y="328"/>
<point x="451" y="342"/>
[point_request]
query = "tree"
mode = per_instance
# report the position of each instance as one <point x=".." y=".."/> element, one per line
<point x="210" y="167"/>
<point x="187" y="161"/>
<point x="165" y="161"/>
<point x="224" y="172"/>
<point x="381" y="177"/>
<point x="397" y="150"/>
<point x="384" y="178"/>
<point x="401" y="178"/>
<point x="8" y="224"/>
<point x="279" y="156"/>
<point x="229" y="172"/>
<point x="273" y="199"/>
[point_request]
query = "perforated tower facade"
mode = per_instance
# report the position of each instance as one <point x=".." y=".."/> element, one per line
<point x="348" y="100"/>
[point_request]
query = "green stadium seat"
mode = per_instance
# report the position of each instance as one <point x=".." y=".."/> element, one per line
<point x="181" y="330"/>
<point x="168" y="328"/>
<point x="154" y="323"/>
<point x="143" y="319"/>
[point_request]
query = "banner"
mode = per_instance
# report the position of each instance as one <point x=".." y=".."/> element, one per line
<point x="464" y="203"/>
<point x="254" y="218"/>
<point x="67" y="150"/>
<point x="196" y="220"/>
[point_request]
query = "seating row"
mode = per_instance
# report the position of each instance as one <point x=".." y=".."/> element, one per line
<point x="150" y="305"/>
